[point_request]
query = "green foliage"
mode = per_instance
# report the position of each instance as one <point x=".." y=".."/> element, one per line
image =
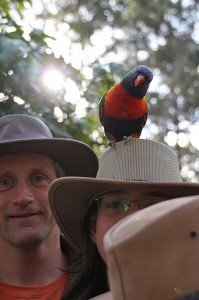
<point x="7" y="6"/>
<point x="160" y="34"/>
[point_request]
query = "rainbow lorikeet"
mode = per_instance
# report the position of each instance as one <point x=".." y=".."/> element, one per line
<point x="123" y="109"/>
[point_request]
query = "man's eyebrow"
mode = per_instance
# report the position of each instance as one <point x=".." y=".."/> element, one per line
<point x="6" y="173"/>
<point x="42" y="171"/>
<point x="38" y="170"/>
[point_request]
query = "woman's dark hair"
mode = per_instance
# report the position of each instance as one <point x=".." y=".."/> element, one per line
<point x="87" y="270"/>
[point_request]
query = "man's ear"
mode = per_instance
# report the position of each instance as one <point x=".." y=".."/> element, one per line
<point x="93" y="229"/>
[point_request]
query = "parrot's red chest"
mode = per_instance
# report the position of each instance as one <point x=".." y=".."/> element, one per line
<point x="121" y="105"/>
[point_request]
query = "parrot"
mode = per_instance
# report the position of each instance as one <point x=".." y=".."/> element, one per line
<point x="123" y="109"/>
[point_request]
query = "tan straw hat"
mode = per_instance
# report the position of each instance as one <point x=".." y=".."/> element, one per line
<point x="154" y="253"/>
<point x="136" y="164"/>
<point x="24" y="133"/>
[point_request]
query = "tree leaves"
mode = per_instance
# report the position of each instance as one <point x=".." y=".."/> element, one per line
<point x="162" y="35"/>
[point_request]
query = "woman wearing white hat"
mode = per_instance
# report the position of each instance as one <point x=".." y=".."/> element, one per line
<point x="132" y="175"/>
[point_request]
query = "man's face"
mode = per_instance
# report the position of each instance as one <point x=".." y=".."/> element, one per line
<point x="25" y="216"/>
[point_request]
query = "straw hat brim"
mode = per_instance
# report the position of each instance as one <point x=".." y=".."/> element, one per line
<point x="70" y="197"/>
<point x="75" y="157"/>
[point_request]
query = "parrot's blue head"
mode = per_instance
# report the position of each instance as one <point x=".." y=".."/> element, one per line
<point x="137" y="81"/>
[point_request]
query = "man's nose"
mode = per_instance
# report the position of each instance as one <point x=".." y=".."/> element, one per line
<point x="24" y="195"/>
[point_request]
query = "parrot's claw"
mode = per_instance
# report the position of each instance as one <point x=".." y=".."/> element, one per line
<point x="127" y="139"/>
<point x="111" y="143"/>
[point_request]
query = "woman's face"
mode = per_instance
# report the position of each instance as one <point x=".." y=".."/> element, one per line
<point x="113" y="206"/>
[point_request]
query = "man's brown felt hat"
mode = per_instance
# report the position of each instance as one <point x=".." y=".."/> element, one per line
<point x="26" y="134"/>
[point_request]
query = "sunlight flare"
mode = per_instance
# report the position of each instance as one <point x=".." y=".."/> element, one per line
<point x="53" y="79"/>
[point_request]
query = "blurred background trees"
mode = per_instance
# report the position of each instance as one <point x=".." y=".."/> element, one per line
<point x="57" y="58"/>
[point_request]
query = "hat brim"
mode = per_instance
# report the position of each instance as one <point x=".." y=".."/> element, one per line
<point x="70" y="197"/>
<point x="104" y="296"/>
<point x="75" y="157"/>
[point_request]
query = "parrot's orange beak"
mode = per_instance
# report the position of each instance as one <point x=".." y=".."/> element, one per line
<point x="139" y="80"/>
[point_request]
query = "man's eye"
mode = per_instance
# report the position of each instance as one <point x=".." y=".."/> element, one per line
<point x="5" y="182"/>
<point x="39" y="178"/>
